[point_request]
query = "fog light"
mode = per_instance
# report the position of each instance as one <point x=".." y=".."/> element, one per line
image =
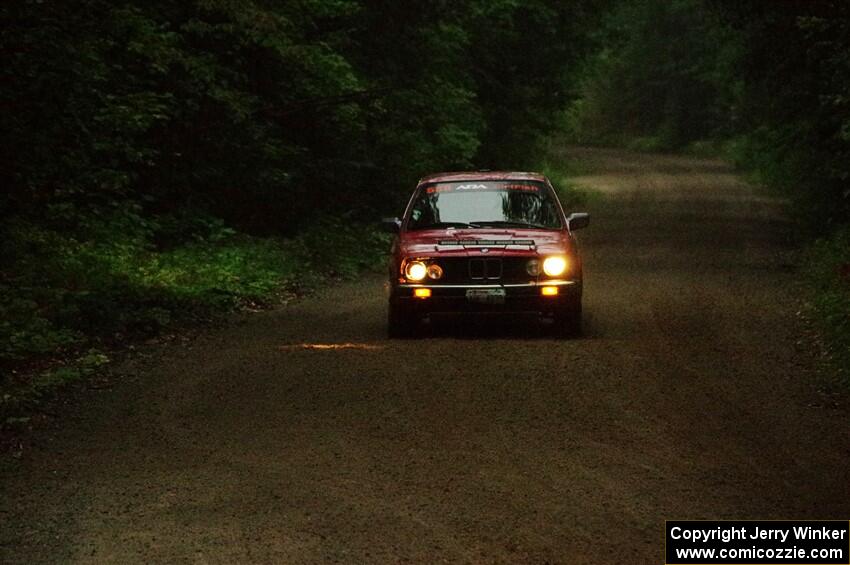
<point x="549" y="291"/>
<point x="424" y="292"/>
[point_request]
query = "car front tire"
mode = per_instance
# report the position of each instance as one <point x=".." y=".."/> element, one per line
<point x="401" y="323"/>
<point x="567" y="322"/>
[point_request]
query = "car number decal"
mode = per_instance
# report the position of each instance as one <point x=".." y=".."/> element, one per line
<point x="492" y="186"/>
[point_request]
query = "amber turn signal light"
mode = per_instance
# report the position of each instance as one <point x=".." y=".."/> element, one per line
<point x="549" y="291"/>
<point x="422" y="292"/>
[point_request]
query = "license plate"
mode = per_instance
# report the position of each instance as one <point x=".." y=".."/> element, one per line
<point x="486" y="295"/>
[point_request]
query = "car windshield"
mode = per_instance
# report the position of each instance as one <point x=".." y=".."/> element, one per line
<point x="479" y="204"/>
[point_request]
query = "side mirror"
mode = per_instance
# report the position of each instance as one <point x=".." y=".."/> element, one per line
<point x="578" y="220"/>
<point x="391" y="225"/>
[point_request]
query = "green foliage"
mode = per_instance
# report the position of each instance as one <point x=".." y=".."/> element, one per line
<point x="561" y="173"/>
<point x="66" y="291"/>
<point x="661" y="78"/>
<point x="268" y="113"/>
<point x="163" y="159"/>
<point x="24" y="331"/>
<point x="526" y="66"/>
<point x="18" y="397"/>
<point x="829" y="275"/>
<point x="650" y="143"/>
<point x="764" y="82"/>
<point x="794" y="113"/>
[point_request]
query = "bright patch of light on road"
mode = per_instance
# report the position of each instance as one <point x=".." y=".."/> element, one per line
<point x="331" y="346"/>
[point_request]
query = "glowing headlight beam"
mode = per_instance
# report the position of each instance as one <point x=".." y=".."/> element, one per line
<point x="555" y="266"/>
<point x="415" y="271"/>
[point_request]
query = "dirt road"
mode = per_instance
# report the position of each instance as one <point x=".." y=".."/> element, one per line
<point x="688" y="397"/>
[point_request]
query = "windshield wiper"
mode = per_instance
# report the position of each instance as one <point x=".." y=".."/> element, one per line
<point x="507" y="224"/>
<point x="438" y="225"/>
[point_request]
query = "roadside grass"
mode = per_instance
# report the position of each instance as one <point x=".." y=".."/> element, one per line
<point x="828" y="272"/>
<point x="67" y="300"/>
<point x="827" y="265"/>
<point x="561" y="172"/>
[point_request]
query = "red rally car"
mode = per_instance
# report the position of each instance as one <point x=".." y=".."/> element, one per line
<point x="482" y="242"/>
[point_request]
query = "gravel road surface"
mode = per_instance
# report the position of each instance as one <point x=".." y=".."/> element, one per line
<point x="302" y="435"/>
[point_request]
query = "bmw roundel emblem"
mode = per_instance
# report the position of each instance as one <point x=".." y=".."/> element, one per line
<point x="485" y="250"/>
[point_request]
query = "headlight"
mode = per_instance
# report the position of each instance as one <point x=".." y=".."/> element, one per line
<point x="435" y="271"/>
<point x="555" y="266"/>
<point x="415" y="271"/>
<point x="533" y="267"/>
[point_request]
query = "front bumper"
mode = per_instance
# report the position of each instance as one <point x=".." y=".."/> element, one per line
<point x="521" y="297"/>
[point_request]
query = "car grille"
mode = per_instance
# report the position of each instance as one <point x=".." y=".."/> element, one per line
<point x="483" y="270"/>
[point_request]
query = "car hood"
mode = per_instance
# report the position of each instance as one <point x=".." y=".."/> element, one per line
<point x="497" y="241"/>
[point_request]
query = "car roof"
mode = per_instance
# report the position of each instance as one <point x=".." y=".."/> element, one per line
<point x="462" y="176"/>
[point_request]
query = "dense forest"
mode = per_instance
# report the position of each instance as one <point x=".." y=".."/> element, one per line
<point x="154" y="153"/>
<point x="764" y="83"/>
<point x="167" y="159"/>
